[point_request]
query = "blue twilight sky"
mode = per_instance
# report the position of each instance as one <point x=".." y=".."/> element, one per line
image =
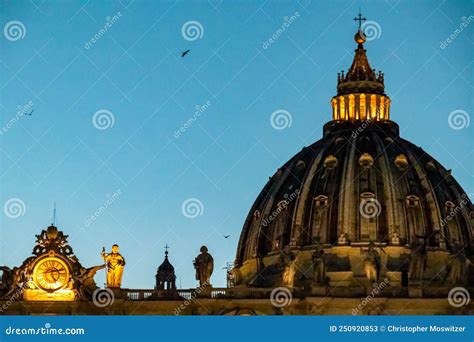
<point x="134" y="176"/>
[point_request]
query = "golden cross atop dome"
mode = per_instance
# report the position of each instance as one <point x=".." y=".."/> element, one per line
<point x="360" y="19"/>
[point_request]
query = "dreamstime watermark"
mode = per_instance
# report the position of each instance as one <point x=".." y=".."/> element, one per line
<point x="21" y="111"/>
<point x="17" y="295"/>
<point x="103" y="119"/>
<point x="281" y="297"/>
<point x="459" y="119"/>
<point x="14" y="30"/>
<point x="371" y="30"/>
<point x="111" y="198"/>
<point x="370" y="208"/>
<point x="281" y="119"/>
<point x="287" y="21"/>
<point x="109" y="22"/>
<point x="46" y="330"/>
<point x="192" y="30"/>
<point x="464" y="24"/>
<point x="459" y="297"/>
<point x="361" y="128"/>
<point x="375" y="291"/>
<point x="199" y="110"/>
<point x="281" y="207"/>
<point x="187" y="302"/>
<point x="455" y="210"/>
<point x="192" y="208"/>
<point x="14" y="208"/>
<point x="103" y="297"/>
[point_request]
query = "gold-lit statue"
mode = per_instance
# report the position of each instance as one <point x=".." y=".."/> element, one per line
<point x="115" y="264"/>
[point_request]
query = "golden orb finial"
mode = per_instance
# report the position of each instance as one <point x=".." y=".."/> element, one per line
<point x="359" y="37"/>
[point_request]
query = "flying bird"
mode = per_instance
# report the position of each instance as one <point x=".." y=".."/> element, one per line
<point x="30" y="112"/>
<point x="185" y="53"/>
<point x="226" y="236"/>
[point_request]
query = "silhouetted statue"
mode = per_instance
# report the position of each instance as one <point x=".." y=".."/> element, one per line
<point x="7" y="277"/>
<point x="204" y="265"/>
<point x="115" y="264"/>
<point x="319" y="266"/>
<point x="457" y="265"/>
<point x="86" y="282"/>
<point x="12" y="281"/>
<point x="417" y="258"/>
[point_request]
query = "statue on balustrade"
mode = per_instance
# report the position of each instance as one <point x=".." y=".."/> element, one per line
<point x="8" y="279"/>
<point x="319" y="266"/>
<point x="204" y="265"/>
<point x="372" y="264"/>
<point x="115" y="264"/>
<point x="457" y="265"/>
<point x="418" y="258"/>
<point x="85" y="281"/>
<point x="287" y="265"/>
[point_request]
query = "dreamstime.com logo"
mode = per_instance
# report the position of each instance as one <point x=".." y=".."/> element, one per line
<point x="14" y="208"/>
<point x="103" y="119"/>
<point x="192" y="30"/>
<point x="46" y="330"/>
<point x="459" y="119"/>
<point x="281" y="119"/>
<point x="103" y="297"/>
<point x="192" y="208"/>
<point x="370" y="208"/>
<point x="459" y="297"/>
<point x="14" y="30"/>
<point x="280" y="297"/>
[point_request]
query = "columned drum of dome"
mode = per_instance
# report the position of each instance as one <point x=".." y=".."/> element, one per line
<point x="367" y="202"/>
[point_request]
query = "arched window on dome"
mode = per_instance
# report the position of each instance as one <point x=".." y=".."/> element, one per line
<point x="415" y="217"/>
<point x="252" y="239"/>
<point x="320" y="218"/>
<point x="279" y="218"/>
<point x="373" y="107"/>
<point x="351" y="107"/>
<point x="362" y="108"/>
<point x="451" y="221"/>
<point x="412" y="201"/>
<point x="369" y="210"/>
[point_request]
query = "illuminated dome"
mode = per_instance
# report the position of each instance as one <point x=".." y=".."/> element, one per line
<point x="360" y="188"/>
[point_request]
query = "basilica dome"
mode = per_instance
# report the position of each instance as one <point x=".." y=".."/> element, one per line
<point x="360" y="186"/>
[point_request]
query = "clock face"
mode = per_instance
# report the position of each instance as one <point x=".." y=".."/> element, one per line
<point x="51" y="274"/>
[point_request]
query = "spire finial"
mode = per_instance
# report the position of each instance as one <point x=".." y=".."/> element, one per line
<point x="360" y="19"/>
<point x="54" y="215"/>
<point x="166" y="250"/>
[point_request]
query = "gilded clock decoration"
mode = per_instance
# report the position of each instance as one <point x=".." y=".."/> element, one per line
<point x="51" y="274"/>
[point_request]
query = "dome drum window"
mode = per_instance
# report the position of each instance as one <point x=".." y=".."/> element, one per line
<point x="450" y="207"/>
<point x="366" y="160"/>
<point x="401" y="161"/>
<point x="412" y="201"/>
<point x="321" y="201"/>
<point x="330" y="162"/>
